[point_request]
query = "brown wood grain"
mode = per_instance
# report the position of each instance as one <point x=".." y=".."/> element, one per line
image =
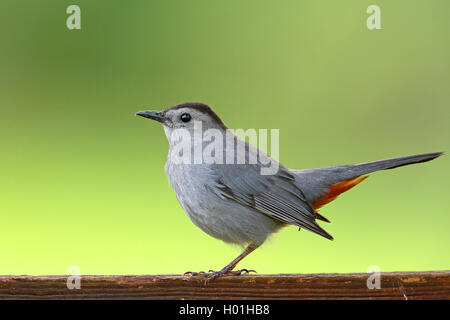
<point x="394" y="285"/>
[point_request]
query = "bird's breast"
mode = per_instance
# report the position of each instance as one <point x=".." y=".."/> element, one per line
<point x="219" y="217"/>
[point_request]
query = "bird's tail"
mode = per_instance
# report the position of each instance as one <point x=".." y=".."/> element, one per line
<point x="322" y="185"/>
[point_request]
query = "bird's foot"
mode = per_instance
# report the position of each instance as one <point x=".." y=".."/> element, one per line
<point x="193" y="273"/>
<point x="211" y="274"/>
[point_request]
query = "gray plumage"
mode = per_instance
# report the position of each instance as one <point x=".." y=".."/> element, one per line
<point x="235" y="202"/>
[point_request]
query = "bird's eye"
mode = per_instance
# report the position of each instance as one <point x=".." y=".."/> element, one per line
<point x="185" y="117"/>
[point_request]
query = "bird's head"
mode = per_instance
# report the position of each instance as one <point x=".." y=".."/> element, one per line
<point x="184" y="116"/>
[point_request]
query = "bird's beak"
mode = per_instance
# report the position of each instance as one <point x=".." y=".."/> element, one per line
<point x="154" y="115"/>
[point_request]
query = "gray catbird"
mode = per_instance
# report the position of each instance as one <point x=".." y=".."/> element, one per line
<point x="233" y="200"/>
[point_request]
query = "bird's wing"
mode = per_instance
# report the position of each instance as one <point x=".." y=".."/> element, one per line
<point x="274" y="195"/>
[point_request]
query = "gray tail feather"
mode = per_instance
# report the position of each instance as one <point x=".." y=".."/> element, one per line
<point x="315" y="182"/>
<point x="392" y="163"/>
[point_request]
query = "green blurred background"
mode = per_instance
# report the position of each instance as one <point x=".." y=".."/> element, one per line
<point x="82" y="178"/>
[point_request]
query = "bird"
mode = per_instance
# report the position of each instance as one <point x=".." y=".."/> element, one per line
<point x="233" y="200"/>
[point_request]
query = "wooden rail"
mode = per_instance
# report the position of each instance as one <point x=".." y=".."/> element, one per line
<point x="394" y="285"/>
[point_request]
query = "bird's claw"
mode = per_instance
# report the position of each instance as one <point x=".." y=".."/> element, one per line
<point x="193" y="273"/>
<point x="216" y="274"/>
<point x="243" y="271"/>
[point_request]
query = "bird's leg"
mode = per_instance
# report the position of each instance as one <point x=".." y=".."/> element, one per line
<point x="228" y="269"/>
